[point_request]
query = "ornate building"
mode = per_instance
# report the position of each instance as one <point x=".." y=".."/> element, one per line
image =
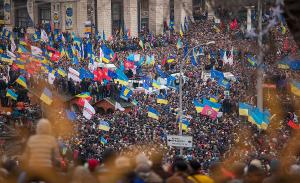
<point x="106" y="15"/>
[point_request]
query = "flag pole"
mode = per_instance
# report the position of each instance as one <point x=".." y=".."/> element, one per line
<point x="180" y="87"/>
<point x="259" y="84"/>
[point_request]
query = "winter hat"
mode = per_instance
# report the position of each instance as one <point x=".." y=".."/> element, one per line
<point x="142" y="159"/>
<point x="256" y="163"/>
<point x="92" y="164"/>
<point x="122" y="162"/>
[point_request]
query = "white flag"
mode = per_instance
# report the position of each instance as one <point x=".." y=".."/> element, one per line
<point x="44" y="36"/>
<point x="13" y="46"/>
<point x="118" y="106"/>
<point x="36" y="51"/>
<point x="74" y="74"/>
<point x="88" y="110"/>
<point x="230" y="59"/>
<point x="11" y="54"/>
<point x="51" y="78"/>
<point x="101" y="55"/>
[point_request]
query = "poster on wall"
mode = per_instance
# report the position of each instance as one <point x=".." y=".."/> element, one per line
<point x="69" y="16"/>
<point x="7" y="11"/>
<point x="30" y="9"/>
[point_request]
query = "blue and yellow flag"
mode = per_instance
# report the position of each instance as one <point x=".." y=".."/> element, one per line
<point x="199" y="107"/>
<point x="295" y="88"/>
<point x="185" y="123"/>
<point x="125" y="93"/>
<point x="251" y="59"/>
<point x="46" y="96"/>
<point x="7" y="59"/>
<point x="11" y="94"/>
<point x="21" y="81"/>
<point x="155" y="84"/>
<point x="61" y="72"/>
<point x="214" y="106"/>
<point x="161" y="100"/>
<point x="244" y="109"/>
<point x="179" y="44"/>
<point x="84" y="95"/>
<point x="213" y="99"/>
<point x="103" y="141"/>
<point x="152" y="113"/>
<point x="104" y="126"/>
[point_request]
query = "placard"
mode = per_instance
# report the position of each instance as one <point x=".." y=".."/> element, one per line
<point x="180" y="141"/>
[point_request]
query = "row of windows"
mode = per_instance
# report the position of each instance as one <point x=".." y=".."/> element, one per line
<point x="44" y="12"/>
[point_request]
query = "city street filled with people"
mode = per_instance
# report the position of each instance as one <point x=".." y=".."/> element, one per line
<point x="55" y="88"/>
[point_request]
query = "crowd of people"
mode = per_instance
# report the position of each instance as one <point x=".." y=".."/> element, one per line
<point x="134" y="149"/>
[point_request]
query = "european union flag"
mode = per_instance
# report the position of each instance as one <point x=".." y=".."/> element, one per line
<point x="85" y="74"/>
<point x="161" y="73"/>
<point x="216" y="74"/>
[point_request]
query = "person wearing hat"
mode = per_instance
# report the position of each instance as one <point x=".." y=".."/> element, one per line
<point x="40" y="153"/>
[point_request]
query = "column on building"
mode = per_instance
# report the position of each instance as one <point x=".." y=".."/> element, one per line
<point x="249" y="23"/>
<point x="104" y="17"/>
<point x="131" y="16"/>
<point x="81" y="16"/>
<point x="182" y="9"/>
<point x="210" y="11"/>
<point x="159" y="11"/>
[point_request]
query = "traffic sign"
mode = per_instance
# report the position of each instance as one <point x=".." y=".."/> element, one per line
<point x="180" y="141"/>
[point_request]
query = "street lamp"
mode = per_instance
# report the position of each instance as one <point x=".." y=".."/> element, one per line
<point x="180" y="86"/>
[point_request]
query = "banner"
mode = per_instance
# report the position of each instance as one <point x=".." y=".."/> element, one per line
<point x="69" y="16"/>
<point x="30" y="9"/>
<point x="7" y="11"/>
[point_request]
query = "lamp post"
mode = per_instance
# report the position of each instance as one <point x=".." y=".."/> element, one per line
<point x="180" y="86"/>
<point x="259" y="84"/>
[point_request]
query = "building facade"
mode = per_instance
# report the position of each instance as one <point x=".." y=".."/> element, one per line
<point x="105" y="15"/>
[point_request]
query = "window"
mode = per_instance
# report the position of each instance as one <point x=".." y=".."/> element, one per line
<point x="44" y="15"/>
<point x="1" y="11"/>
<point x="171" y="10"/>
<point x="22" y="18"/>
<point x="144" y="14"/>
<point x="117" y="15"/>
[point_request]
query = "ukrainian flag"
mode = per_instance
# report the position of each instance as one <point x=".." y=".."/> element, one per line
<point x="295" y="88"/>
<point x="256" y="117"/>
<point x="179" y="44"/>
<point x="213" y="99"/>
<point x="61" y="72"/>
<point x="121" y="82"/>
<point x="185" y="124"/>
<point x="21" y="81"/>
<point x="19" y="64"/>
<point x="152" y="113"/>
<point x="47" y="96"/>
<point x="104" y="126"/>
<point x="22" y="49"/>
<point x="84" y="95"/>
<point x="155" y="84"/>
<point x="170" y="59"/>
<point x="161" y="100"/>
<point x="11" y="94"/>
<point x="6" y="58"/>
<point x="180" y="31"/>
<point x="198" y="105"/>
<point x="214" y="106"/>
<point x="244" y="109"/>
<point x="23" y="43"/>
<point x="251" y="60"/>
<point x="103" y="141"/>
